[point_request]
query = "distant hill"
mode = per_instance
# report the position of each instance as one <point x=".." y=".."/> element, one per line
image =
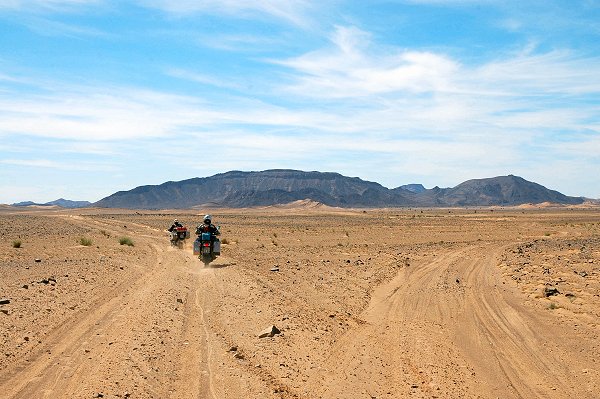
<point x="280" y="186"/>
<point x="59" y="202"/>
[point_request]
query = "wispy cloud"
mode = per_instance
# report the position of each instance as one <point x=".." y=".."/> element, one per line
<point x="291" y="11"/>
<point x="519" y="91"/>
<point x="56" y="5"/>
<point x="47" y="27"/>
<point x="61" y="165"/>
<point x="203" y="79"/>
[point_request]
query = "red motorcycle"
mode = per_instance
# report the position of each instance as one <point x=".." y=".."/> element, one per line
<point x="178" y="236"/>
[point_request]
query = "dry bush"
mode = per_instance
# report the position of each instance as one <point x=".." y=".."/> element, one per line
<point x="85" y="241"/>
<point x="126" y="241"/>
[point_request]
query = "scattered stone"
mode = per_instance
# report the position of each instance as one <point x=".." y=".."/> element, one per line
<point x="238" y="356"/>
<point x="179" y="300"/>
<point x="99" y="395"/>
<point x="550" y="291"/>
<point x="38" y="260"/>
<point x="275" y="269"/>
<point x="4" y="311"/>
<point x="25" y="286"/>
<point x="233" y="349"/>
<point x="4" y="301"/>
<point x="269" y="332"/>
<point x="26" y="339"/>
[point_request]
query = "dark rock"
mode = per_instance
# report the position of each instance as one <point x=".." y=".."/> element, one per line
<point x="38" y="260"/>
<point x="4" y="301"/>
<point x="550" y="291"/>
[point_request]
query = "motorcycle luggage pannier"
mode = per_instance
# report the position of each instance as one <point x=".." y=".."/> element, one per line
<point x="197" y="247"/>
<point x="217" y="247"/>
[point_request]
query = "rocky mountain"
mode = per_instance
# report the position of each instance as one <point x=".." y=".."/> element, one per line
<point x="59" y="202"/>
<point x="503" y="190"/>
<point x="415" y="188"/>
<point x="279" y="186"/>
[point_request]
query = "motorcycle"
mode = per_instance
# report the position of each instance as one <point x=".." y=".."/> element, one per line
<point x="207" y="247"/>
<point x="178" y="236"/>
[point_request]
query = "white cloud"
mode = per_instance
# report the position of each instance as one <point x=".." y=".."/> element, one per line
<point x="425" y="89"/>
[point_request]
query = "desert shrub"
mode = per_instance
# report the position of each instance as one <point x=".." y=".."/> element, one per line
<point x="105" y="233"/>
<point x="85" y="241"/>
<point x="224" y="241"/>
<point x="16" y="244"/>
<point x="126" y="241"/>
<point x="553" y="306"/>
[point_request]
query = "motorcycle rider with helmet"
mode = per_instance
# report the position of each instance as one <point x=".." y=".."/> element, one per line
<point x="175" y="225"/>
<point x="208" y="227"/>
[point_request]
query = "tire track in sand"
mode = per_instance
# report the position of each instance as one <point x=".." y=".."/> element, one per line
<point x="449" y="328"/>
<point x="115" y="341"/>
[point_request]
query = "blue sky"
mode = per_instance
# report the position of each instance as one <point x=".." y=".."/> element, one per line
<point x="98" y="96"/>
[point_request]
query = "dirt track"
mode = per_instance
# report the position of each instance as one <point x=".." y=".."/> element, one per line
<point x="375" y="304"/>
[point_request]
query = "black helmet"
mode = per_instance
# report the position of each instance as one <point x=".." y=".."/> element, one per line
<point x="207" y="219"/>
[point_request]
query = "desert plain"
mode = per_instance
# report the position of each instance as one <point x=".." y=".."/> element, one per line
<point x="366" y="303"/>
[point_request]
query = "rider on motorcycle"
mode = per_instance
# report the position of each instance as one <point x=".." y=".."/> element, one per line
<point x="175" y="225"/>
<point x="207" y="227"/>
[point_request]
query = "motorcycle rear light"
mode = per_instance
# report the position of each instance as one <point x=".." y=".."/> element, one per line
<point x="206" y="244"/>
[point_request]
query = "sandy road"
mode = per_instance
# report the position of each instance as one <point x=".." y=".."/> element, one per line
<point x="145" y="337"/>
<point x="452" y="328"/>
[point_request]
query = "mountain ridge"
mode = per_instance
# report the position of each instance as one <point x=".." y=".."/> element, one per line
<point x="64" y="203"/>
<point x="238" y="189"/>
